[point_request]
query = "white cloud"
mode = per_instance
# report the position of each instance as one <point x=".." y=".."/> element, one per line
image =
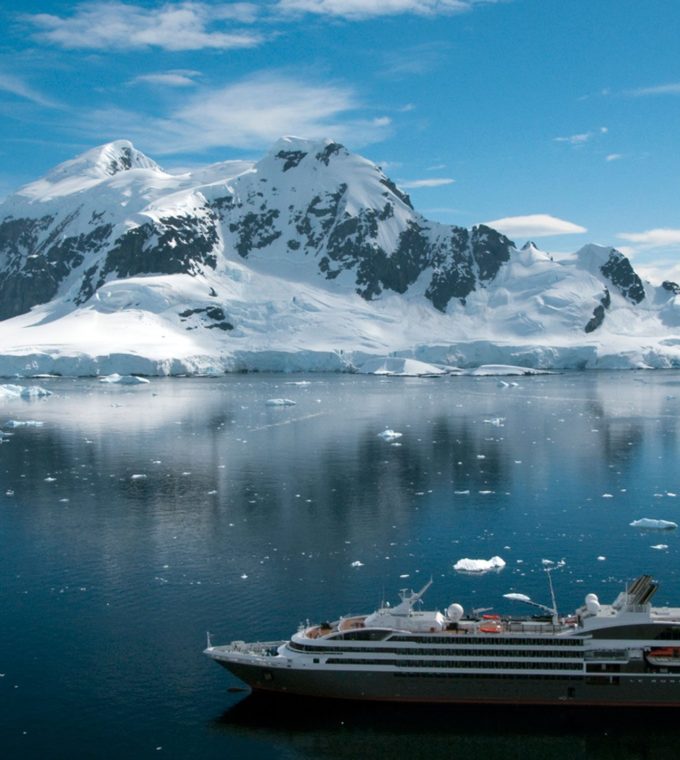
<point x="120" y="26"/>
<point x="661" y="89"/>
<point x="431" y="182"/>
<point x="535" y="225"/>
<point x="252" y="113"/>
<point x="660" y="237"/>
<point x="176" y="78"/>
<point x="582" y="137"/>
<point x="659" y="271"/>
<point x="15" y="86"/>
<point x="614" y="157"/>
<point x="363" y="9"/>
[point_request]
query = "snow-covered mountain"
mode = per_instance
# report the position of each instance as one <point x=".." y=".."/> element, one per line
<point x="310" y="258"/>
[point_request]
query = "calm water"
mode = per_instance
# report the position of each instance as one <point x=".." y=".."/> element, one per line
<point x="135" y="519"/>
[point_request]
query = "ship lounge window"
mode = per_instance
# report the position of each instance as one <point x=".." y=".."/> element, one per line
<point x="668" y="633"/>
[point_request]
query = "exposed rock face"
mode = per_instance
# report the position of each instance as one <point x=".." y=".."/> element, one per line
<point x="620" y="273"/>
<point x="599" y="313"/>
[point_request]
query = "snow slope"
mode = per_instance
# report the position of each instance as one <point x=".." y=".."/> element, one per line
<point x="310" y="259"/>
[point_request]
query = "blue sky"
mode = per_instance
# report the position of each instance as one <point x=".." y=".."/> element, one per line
<point x="557" y="119"/>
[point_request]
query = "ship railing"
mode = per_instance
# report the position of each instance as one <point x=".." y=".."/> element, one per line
<point x="260" y="648"/>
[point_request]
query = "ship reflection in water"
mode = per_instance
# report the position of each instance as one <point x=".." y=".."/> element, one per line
<point x="301" y="727"/>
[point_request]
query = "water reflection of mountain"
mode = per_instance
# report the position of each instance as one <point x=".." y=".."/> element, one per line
<point x="212" y="448"/>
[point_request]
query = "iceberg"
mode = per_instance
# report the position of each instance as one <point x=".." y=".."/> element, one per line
<point x="399" y="367"/>
<point x="123" y="379"/>
<point x="10" y="391"/>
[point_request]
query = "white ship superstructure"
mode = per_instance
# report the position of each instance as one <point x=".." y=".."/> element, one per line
<point x="627" y="652"/>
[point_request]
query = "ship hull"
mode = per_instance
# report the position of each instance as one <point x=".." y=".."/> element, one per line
<point x="467" y="688"/>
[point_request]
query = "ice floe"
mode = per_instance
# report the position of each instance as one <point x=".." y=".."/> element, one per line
<point x="467" y="565"/>
<point x="23" y="423"/>
<point x="650" y="522"/>
<point x="280" y="402"/>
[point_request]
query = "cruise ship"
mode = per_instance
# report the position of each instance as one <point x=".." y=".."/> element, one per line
<point x="624" y="653"/>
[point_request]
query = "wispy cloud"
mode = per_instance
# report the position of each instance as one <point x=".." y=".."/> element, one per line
<point x="173" y="26"/>
<point x="363" y="9"/>
<point x="660" y="237"/>
<point x="535" y="225"/>
<point x="613" y="157"/>
<point x="409" y="184"/>
<point x="673" y="88"/>
<point x="174" y="78"/>
<point x="413" y="60"/>
<point x="582" y="138"/>
<point x="252" y="113"/>
<point x="16" y="86"/>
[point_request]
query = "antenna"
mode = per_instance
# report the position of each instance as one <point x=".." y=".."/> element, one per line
<point x="548" y="566"/>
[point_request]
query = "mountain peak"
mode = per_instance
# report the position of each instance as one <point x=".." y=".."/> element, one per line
<point x="104" y="161"/>
<point x="86" y="170"/>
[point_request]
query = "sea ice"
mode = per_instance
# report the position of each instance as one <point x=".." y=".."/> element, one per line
<point x="357" y="563"/>
<point x="650" y="522"/>
<point x="660" y="547"/>
<point x="279" y="402"/>
<point x="466" y="565"/>
<point x="23" y="423"/>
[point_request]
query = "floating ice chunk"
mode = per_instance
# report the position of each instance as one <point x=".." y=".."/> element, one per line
<point x="659" y="547"/>
<point x="389" y="435"/>
<point x="138" y="476"/>
<point x="650" y="522"/>
<point x="300" y="383"/>
<point x="496" y="421"/>
<point x="607" y="495"/>
<point x="601" y="558"/>
<point x="124" y="379"/>
<point x="243" y="576"/>
<point x="466" y="565"/>
<point x="466" y="492"/>
<point x="10" y="391"/>
<point x="357" y="563"/>
<point x="279" y="402"/>
<point x="23" y="423"/>
<point x="489" y="370"/>
<point x="396" y="366"/>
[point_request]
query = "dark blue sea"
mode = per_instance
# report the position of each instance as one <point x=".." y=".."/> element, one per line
<point x="135" y="519"/>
